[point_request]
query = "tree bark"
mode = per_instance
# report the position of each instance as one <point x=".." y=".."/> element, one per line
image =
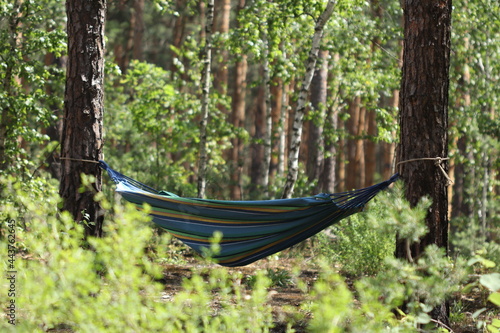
<point x="221" y="73"/>
<point x="293" y="159"/>
<point x="138" y="17"/>
<point x="257" y="149"/>
<point x="390" y="147"/>
<point x="327" y="179"/>
<point x="353" y="146"/>
<point x="370" y="149"/>
<point x="207" y="60"/>
<point x="315" y="156"/>
<point x="424" y="119"/>
<point x="83" y="110"/>
<point x="341" y="176"/>
<point x="238" y="120"/>
<point x="283" y="120"/>
<point x="268" y="128"/>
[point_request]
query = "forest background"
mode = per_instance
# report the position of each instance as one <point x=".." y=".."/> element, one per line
<point x="153" y="99"/>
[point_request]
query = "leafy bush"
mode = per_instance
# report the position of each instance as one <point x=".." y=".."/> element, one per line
<point x="364" y="241"/>
<point x="373" y="304"/>
<point x="109" y="284"/>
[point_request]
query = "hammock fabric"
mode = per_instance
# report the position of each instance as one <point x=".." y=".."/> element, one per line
<point x="251" y="230"/>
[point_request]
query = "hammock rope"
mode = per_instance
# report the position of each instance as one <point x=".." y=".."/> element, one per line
<point x="437" y="162"/>
<point x="251" y="230"/>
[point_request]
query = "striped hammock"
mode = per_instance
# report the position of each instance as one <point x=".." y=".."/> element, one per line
<point x="251" y="230"/>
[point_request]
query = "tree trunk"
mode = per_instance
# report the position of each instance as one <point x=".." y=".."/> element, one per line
<point x="221" y="74"/>
<point x="341" y="186"/>
<point x="458" y="205"/>
<point x="370" y="149"/>
<point x="268" y="127"/>
<point x="205" y="81"/>
<point x="353" y="146"/>
<point x="390" y="147"/>
<point x="257" y="149"/>
<point x="424" y="119"/>
<point x="293" y="159"/>
<point x="138" y="15"/>
<point x="327" y="179"/>
<point x="276" y="108"/>
<point x="238" y="120"/>
<point x="83" y="110"/>
<point x="359" y="157"/>
<point x="315" y="156"/>
<point x="283" y="120"/>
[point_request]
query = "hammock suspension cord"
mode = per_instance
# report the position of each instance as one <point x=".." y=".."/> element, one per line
<point x="437" y="162"/>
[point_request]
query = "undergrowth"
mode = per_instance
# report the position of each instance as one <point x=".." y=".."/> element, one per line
<point x="66" y="282"/>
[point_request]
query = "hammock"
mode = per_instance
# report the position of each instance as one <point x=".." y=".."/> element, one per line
<point x="251" y="230"/>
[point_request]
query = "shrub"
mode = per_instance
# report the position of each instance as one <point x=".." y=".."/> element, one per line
<point x="108" y="284"/>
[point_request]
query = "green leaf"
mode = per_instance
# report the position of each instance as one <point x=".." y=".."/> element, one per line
<point x="423" y="318"/>
<point x="493" y="329"/>
<point x="495" y="299"/>
<point x="491" y="281"/>
<point x="478" y="312"/>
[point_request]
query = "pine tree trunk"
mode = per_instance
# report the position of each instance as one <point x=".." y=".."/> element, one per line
<point x="221" y="74"/>
<point x="424" y="119"/>
<point x="138" y="14"/>
<point x="293" y="159"/>
<point x="341" y="159"/>
<point x="268" y="127"/>
<point x="207" y="60"/>
<point x="353" y="166"/>
<point x="257" y="149"/>
<point x="315" y="156"/>
<point x="238" y="119"/>
<point x="359" y="157"/>
<point x="370" y="149"/>
<point x="83" y="110"/>
<point x="326" y="182"/>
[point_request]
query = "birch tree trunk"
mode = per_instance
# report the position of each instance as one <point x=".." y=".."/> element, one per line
<point x="293" y="159"/>
<point x="207" y="59"/>
<point x="83" y="111"/>
<point x="281" y="130"/>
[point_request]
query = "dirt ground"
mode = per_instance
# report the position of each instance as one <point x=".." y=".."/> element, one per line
<point x="287" y="300"/>
<point x="281" y="298"/>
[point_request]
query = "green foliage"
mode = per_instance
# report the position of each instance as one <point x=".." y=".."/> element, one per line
<point x="360" y="248"/>
<point x="422" y="285"/>
<point x="109" y="283"/>
<point x="29" y="30"/>
<point x="364" y="241"/>
<point x="155" y="120"/>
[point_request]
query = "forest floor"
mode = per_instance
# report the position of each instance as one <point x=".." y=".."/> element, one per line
<point x="286" y="299"/>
